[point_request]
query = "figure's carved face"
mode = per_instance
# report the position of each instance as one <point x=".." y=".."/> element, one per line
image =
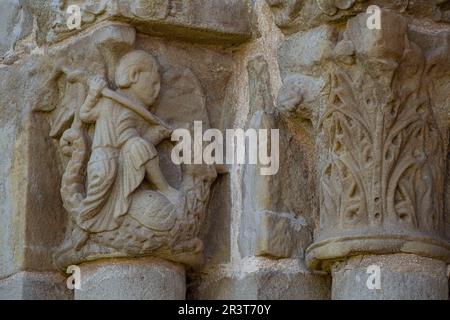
<point x="138" y="74"/>
<point x="147" y="86"/>
<point x="285" y="11"/>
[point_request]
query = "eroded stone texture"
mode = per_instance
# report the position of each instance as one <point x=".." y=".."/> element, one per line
<point x="35" y="286"/>
<point x="295" y="15"/>
<point x="65" y="89"/>
<point x="379" y="110"/>
<point x="87" y="178"/>
<point x="271" y="222"/>
<point x="110" y="215"/>
<point x="32" y="217"/>
<point x="261" y="279"/>
<point x="197" y="20"/>
<point x="216" y="232"/>
<point x="274" y="236"/>
<point x="16" y="25"/>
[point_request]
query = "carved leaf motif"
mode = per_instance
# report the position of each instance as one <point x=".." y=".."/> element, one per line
<point x="385" y="154"/>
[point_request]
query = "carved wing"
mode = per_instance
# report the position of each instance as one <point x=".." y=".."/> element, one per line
<point x="182" y="100"/>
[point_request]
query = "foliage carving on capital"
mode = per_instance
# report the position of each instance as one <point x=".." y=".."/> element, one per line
<point x="294" y="15"/>
<point x="382" y="136"/>
<point x="386" y="148"/>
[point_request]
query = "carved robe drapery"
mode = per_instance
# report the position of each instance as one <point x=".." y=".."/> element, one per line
<point x="116" y="165"/>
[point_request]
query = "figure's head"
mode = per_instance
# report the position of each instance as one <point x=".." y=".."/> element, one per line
<point x="138" y="73"/>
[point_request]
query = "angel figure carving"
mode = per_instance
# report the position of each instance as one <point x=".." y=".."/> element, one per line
<point x="111" y="159"/>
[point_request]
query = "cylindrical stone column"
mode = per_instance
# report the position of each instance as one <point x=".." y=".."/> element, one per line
<point x="131" y="279"/>
<point x="401" y="277"/>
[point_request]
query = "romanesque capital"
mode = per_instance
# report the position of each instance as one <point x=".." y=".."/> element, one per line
<point x="382" y="141"/>
<point x="294" y="15"/>
<point x="110" y="121"/>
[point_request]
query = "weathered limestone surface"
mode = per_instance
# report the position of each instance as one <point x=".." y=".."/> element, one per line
<point x="403" y="277"/>
<point x="32" y="217"/>
<point x="87" y="179"/>
<point x="55" y="152"/>
<point x="260" y="279"/>
<point x="16" y="24"/>
<point x="299" y="15"/>
<point x="196" y="20"/>
<point x="376" y="102"/>
<point x="394" y="174"/>
<point x="141" y="279"/>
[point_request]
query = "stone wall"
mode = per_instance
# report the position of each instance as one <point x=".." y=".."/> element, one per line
<point x="87" y="179"/>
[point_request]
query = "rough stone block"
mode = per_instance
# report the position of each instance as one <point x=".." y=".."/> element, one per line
<point x="387" y="42"/>
<point x="274" y="237"/>
<point x="304" y="51"/>
<point x="16" y="23"/>
<point x="196" y="20"/>
<point x="402" y="277"/>
<point x="261" y="279"/>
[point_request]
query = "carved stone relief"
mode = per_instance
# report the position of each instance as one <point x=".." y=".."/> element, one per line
<point x="382" y="142"/>
<point x="294" y="15"/>
<point x="119" y="200"/>
<point x="194" y="20"/>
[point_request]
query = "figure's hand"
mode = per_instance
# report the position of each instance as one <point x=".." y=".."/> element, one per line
<point x="96" y="85"/>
